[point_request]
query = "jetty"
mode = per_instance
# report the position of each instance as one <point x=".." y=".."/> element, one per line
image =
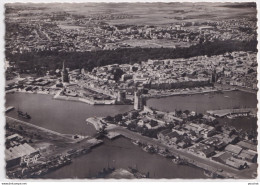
<point x="47" y="131"/>
<point x="226" y="112"/>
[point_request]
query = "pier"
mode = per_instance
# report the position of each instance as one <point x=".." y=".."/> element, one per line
<point x="188" y="92"/>
<point x="225" y="112"/>
<point x="47" y="131"/>
<point x="113" y="135"/>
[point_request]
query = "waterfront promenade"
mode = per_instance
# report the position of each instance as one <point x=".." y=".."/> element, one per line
<point x="225" y="112"/>
<point x="201" y="162"/>
<point x="187" y="92"/>
<point x="57" y="95"/>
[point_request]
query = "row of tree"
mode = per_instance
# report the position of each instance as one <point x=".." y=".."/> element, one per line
<point x="51" y="60"/>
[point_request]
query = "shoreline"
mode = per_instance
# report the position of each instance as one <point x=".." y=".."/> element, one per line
<point x="73" y="147"/>
<point x="188" y="161"/>
<point x="244" y="89"/>
<point x="190" y="93"/>
<point x="206" y="164"/>
<point x="189" y="158"/>
<point x="77" y="153"/>
<point x="57" y="95"/>
<point x="113" y="102"/>
<point x="42" y="129"/>
<point x="83" y="100"/>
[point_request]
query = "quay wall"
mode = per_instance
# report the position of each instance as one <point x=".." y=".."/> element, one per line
<point x="85" y="100"/>
<point x="37" y="127"/>
<point x="224" y="112"/>
<point x="203" y="166"/>
<point x="190" y="161"/>
<point x="187" y="93"/>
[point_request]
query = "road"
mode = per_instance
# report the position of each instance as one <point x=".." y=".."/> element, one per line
<point x="67" y="142"/>
<point x="227" y="171"/>
<point x="10" y="119"/>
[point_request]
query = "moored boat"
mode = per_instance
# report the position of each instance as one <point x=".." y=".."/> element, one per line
<point x="24" y="115"/>
<point x="210" y="174"/>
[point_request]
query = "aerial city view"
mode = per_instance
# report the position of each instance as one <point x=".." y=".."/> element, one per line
<point x="131" y="90"/>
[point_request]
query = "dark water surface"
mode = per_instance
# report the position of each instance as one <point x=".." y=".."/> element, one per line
<point x="121" y="153"/>
<point x="203" y="102"/>
<point x="69" y="117"/>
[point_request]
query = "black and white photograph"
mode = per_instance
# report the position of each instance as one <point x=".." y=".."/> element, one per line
<point x="142" y="90"/>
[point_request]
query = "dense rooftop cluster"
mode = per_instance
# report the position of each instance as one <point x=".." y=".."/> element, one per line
<point x="198" y="134"/>
<point x="236" y="68"/>
<point x="63" y="31"/>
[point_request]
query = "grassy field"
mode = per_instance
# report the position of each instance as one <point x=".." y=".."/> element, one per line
<point x="148" y="13"/>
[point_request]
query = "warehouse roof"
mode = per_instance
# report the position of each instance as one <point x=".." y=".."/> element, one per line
<point x="19" y="151"/>
<point x="247" y="145"/>
<point x="233" y="149"/>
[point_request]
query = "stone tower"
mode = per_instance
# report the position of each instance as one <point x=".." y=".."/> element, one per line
<point x="214" y="76"/>
<point x="64" y="74"/>
<point x="139" y="101"/>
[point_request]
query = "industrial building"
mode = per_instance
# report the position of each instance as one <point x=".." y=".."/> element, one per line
<point x="14" y="154"/>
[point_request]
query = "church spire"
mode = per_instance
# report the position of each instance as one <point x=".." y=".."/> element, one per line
<point x="64" y="74"/>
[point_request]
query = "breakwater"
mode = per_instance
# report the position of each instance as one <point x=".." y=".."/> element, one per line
<point x="187" y="93"/>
